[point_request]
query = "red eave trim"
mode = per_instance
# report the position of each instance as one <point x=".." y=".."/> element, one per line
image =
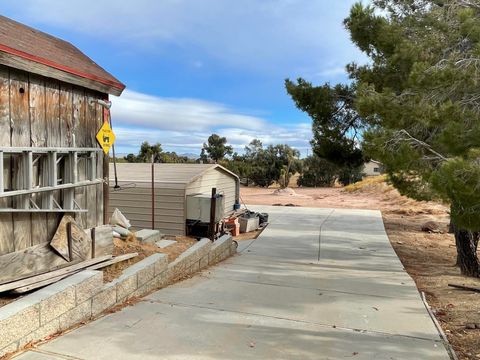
<point x="57" y="66"/>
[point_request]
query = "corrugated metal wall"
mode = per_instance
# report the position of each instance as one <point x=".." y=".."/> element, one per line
<point x="135" y="202"/>
<point x="216" y="178"/>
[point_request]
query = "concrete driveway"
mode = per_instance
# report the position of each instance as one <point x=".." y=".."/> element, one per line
<point x="317" y="284"/>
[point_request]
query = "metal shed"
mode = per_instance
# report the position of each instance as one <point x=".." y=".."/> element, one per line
<point x="173" y="183"/>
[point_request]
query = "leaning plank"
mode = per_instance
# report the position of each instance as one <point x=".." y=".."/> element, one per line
<point x="33" y="260"/>
<point x="42" y="283"/>
<point x="103" y="240"/>
<point x="63" y="271"/>
<point x="464" y="287"/>
<point x="115" y="260"/>
<point x="37" y="285"/>
<point x="81" y="244"/>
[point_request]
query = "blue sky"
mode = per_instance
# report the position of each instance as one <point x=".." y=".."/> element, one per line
<point x="194" y="67"/>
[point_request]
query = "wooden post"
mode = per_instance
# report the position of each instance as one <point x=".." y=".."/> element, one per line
<point x="213" y="207"/>
<point x="69" y="241"/>
<point x="153" y="194"/>
<point x="92" y="235"/>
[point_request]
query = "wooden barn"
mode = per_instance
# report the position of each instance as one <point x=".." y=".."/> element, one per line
<point x="173" y="184"/>
<point x="51" y="109"/>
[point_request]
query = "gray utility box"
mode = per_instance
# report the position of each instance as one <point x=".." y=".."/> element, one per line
<point x="198" y="207"/>
<point x="248" y="224"/>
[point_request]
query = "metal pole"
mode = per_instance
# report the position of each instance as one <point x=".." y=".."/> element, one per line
<point x="153" y="194"/>
<point x="213" y="206"/>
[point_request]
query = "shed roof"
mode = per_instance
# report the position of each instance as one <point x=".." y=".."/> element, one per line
<point x="32" y="50"/>
<point x="164" y="173"/>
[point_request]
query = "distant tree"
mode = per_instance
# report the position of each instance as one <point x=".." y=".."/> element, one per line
<point x="216" y="148"/>
<point x="131" y="158"/>
<point x="147" y="151"/>
<point x="318" y="172"/>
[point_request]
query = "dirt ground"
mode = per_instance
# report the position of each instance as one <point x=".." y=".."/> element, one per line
<point x="429" y="258"/>
<point x="131" y="245"/>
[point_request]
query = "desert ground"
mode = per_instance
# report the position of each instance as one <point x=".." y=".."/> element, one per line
<point x="428" y="256"/>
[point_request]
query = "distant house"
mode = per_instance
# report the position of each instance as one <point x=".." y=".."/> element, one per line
<point x="373" y="168"/>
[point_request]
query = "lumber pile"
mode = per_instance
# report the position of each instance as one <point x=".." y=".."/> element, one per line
<point x="72" y="249"/>
<point x="36" y="281"/>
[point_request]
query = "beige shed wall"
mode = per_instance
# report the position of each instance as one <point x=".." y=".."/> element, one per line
<point x="136" y="204"/>
<point x="215" y="178"/>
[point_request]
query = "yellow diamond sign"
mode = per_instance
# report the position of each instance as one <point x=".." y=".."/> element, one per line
<point x="105" y="137"/>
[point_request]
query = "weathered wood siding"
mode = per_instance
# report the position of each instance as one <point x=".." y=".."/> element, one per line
<point x="136" y="204"/>
<point x="216" y="178"/>
<point x="37" y="111"/>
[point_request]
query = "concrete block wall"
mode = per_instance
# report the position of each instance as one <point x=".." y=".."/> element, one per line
<point x="84" y="296"/>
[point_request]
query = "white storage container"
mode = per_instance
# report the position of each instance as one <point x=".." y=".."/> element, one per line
<point x="198" y="207"/>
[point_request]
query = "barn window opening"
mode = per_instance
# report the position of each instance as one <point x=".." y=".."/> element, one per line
<point x="376" y="169"/>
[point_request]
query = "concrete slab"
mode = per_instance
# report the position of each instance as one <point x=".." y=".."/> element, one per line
<point x="148" y="235"/>
<point x="165" y="243"/>
<point x="277" y="300"/>
<point x="152" y="331"/>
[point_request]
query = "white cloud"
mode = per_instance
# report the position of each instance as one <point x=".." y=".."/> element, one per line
<point x="134" y="108"/>
<point x="265" y="35"/>
<point x="182" y="125"/>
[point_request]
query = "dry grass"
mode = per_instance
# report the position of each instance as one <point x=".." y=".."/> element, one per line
<point x="144" y="250"/>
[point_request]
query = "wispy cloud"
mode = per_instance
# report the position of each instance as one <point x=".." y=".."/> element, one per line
<point x="177" y="114"/>
<point x="265" y="35"/>
<point x="183" y="125"/>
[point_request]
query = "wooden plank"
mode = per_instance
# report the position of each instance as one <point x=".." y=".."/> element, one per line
<point x="20" y="120"/>
<point x="42" y="283"/>
<point x="48" y="71"/>
<point x="464" y="287"/>
<point x="35" y="259"/>
<point x="6" y="220"/>
<point x="52" y="116"/>
<point x="103" y="240"/>
<point x="81" y="244"/>
<point x="100" y="168"/>
<point x="79" y="131"/>
<point x="115" y="260"/>
<point x="91" y="191"/>
<point x="69" y="269"/>
<point x="66" y="115"/>
<point x="38" y="139"/>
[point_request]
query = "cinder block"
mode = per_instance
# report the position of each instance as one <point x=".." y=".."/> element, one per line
<point x="125" y="286"/>
<point x="146" y="274"/>
<point x="88" y="288"/>
<point x="194" y="268"/>
<point x="204" y="262"/>
<point x="16" y="325"/>
<point x="8" y="349"/>
<point x="145" y="288"/>
<point x="161" y="264"/>
<point x="41" y="333"/>
<point x="56" y="305"/>
<point x="80" y="313"/>
<point x="104" y="299"/>
<point x="233" y="248"/>
<point x="148" y="235"/>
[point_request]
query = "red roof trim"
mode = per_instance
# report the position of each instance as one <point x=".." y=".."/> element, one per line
<point x="55" y="65"/>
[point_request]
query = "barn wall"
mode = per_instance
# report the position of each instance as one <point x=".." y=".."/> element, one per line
<point x="215" y="178"/>
<point x="37" y="111"/>
<point x="136" y="204"/>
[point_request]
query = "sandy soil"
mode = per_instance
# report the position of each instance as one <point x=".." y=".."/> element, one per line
<point x="144" y="250"/>
<point x="428" y="257"/>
